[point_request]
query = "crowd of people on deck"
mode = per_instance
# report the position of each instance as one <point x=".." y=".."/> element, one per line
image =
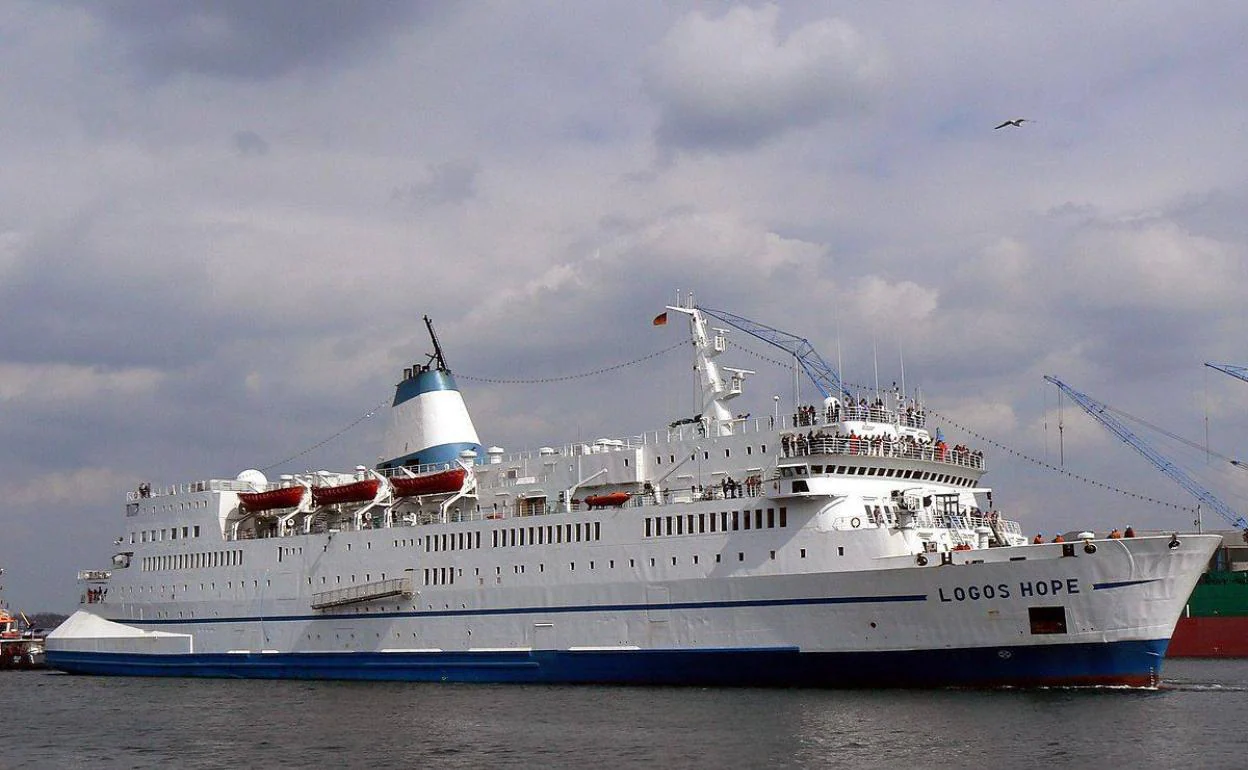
<point x="886" y="445"/>
<point x="1114" y="534"/>
<point x="875" y="411"/>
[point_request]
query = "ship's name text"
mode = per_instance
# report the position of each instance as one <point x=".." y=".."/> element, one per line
<point x="1025" y="589"/>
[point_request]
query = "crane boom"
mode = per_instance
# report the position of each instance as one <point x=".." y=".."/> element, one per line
<point x="819" y="371"/>
<point x="1100" y="412"/>
<point x="1238" y="372"/>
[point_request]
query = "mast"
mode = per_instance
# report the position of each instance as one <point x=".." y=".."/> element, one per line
<point x="437" y="348"/>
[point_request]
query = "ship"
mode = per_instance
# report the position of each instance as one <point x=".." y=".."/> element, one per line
<point x="844" y="544"/>
<point x="1214" y="623"/>
<point x="21" y="645"/>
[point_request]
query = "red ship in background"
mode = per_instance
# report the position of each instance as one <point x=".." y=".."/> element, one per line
<point x="1215" y="622"/>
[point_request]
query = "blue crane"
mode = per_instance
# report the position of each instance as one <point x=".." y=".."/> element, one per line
<point x="818" y="370"/>
<point x="1101" y="413"/>
<point x="1238" y="372"/>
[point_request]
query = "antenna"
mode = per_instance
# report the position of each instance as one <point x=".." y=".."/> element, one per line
<point x="437" y="349"/>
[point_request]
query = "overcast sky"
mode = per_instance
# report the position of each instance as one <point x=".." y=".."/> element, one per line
<point x="221" y="224"/>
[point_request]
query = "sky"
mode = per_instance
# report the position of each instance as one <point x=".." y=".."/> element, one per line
<point x="221" y="224"/>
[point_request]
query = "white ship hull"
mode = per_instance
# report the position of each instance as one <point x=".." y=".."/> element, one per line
<point x="863" y="561"/>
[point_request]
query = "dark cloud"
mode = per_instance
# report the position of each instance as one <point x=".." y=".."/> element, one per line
<point x="250" y="144"/>
<point x="454" y="181"/>
<point x="248" y="40"/>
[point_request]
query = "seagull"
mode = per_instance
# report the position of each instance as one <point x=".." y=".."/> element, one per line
<point x="1016" y="122"/>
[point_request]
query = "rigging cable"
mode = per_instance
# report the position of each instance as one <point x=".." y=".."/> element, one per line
<point x="565" y="378"/>
<point x="322" y="443"/>
<point x="495" y="381"/>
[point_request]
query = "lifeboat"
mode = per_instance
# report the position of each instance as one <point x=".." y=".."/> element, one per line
<point x="355" y="492"/>
<point x="439" y="482"/>
<point x="612" y="500"/>
<point x="286" y="497"/>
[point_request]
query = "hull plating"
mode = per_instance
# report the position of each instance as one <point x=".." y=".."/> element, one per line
<point x="1131" y="664"/>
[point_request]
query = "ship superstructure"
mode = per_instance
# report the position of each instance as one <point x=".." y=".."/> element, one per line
<point x="841" y="545"/>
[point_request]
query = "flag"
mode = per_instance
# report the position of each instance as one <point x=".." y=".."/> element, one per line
<point x="661" y="319"/>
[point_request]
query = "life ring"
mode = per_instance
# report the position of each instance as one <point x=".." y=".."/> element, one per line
<point x="921" y="560"/>
<point x="855" y="522"/>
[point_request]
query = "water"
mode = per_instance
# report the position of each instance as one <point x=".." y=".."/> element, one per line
<point x="54" y="720"/>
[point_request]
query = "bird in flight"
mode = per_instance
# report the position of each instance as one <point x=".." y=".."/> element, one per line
<point x="1016" y="122"/>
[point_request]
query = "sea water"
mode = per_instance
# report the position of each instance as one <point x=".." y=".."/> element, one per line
<point x="53" y="720"/>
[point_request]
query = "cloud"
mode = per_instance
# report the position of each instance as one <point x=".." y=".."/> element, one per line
<point x="244" y="40"/>
<point x="735" y="82"/>
<point x="1153" y="263"/>
<point x="454" y="181"/>
<point x="250" y="144"/>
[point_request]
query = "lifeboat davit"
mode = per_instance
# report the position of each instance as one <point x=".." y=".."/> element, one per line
<point x="286" y="497"/>
<point x="355" y="492"/>
<point x="439" y="482"/>
<point x="612" y="500"/>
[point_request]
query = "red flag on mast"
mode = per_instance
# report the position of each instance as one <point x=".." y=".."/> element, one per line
<point x="661" y="319"/>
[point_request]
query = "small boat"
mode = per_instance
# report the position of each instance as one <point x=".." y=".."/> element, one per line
<point x="612" y="500"/>
<point x="19" y="649"/>
<point x="355" y="492"/>
<point x="439" y="482"/>
<point x="286" y="497"/>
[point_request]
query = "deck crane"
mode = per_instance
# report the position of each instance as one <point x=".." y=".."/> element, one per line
<point x="818" y="370"/>
<point x="1238" y="372"/>
<point x="1101" y="413"/>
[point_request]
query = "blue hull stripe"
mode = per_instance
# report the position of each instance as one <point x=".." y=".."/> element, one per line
<point x="1121" y="584"/>
<point x="442" y="454"/>
<point x="1134" y="663"/>
<point x="539" y="610"/>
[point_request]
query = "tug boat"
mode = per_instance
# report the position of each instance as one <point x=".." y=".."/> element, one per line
<point x="859" y="551"/>
<point x="20" y="648"/>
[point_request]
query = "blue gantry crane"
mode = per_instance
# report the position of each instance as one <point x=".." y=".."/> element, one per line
<point x="1101" y="413"/>
<point x="818" y="370"/>
<point x="1238" y="372"/>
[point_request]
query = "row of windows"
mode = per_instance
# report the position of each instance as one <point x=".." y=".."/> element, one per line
<point x="161" y="535"/>
<point x="548" y="534"/>
<point x="446" y="575"/>
<point x="723" y="521"/>
<point x="452" y="541"/>
<point x="864" y="470"/>
<point x="706" y="454"/>
<point x="193" y="560"/>
<point x="167" y="507"/>
<point x="439" y="576"/>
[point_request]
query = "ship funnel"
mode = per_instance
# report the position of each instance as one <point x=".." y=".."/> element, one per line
<point x="429" y="422"/>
